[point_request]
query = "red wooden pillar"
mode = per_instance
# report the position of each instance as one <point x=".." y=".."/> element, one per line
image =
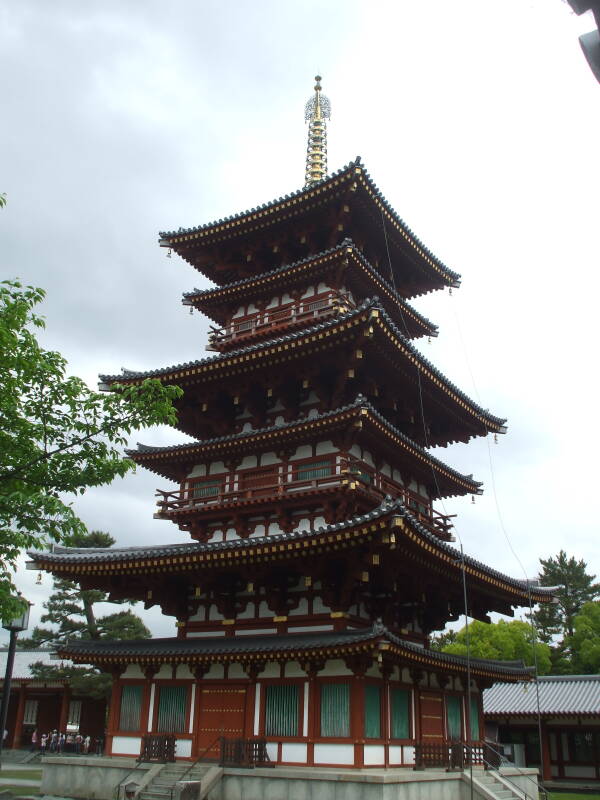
<point x="17" y="731"/>
<point x="386" y="672"/>
<point x="416" y="676"/>
<point x="359" y="667"/>
<point x="545" y="754"/>
<point x="313" y="729"/>
<point x="64" y="710"/>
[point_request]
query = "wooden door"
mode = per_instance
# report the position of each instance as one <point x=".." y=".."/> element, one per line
<point x="432" y="717"/>
<point x="221" y="711"/>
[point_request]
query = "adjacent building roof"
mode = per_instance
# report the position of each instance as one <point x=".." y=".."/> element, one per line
<point x="304" y="646"/>
<point x="25" y="658"/>
<point x="559" y="695"/>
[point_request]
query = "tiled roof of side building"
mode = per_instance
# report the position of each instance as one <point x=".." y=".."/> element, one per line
<point x="25" y="658"/>
<point x="371" y="304"/>
<point x="388" y="508"/>
<point x="559" y="695"/>
<point x="354" y="170"/>
<point x="360" y="403"/>
<point x="233" y="647"/>
<point x="344" y="247"/>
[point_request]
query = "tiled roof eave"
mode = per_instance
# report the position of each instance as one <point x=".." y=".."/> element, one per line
<point x="353" y="172"/>
<point x="192" y="555"/>
<point x="148" y="456"/>
<point x="253" y="648"/>
<point x="371" y="311"/>
<point x="203" y="298"/>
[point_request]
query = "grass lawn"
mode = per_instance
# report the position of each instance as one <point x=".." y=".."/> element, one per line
<point x="573" y="796"/>
<point x="22" y="791"/>
<point x="33" y="775"/>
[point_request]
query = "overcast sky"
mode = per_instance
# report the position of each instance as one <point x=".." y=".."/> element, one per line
<point x="479" y="122"/>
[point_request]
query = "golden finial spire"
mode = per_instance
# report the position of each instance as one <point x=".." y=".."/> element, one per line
<point x="316" y="112"/>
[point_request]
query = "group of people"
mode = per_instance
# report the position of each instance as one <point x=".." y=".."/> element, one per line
<point x="56" y="742"/>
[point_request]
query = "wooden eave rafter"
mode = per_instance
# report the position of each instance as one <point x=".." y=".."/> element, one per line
<point x="363" y="418"/>
<point x="214" y="303"/>
<point x="322" y="337"/>
<point x="387" y="532"/>
<point x="352" y="180"/>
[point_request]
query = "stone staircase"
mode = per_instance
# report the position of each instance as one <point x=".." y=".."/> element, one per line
<point x="162" y="787"/>
<point x="503" y="789"/>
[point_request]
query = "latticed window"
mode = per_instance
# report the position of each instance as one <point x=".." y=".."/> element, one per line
<point x="171" y="709"/>
<point x="282" y="710"/>
<point x="209" y="488"/>
<point x="400" y="713"/>
<point x="474" y="718"/>
<point x="31" y="712"/>
<point x="131" y="708"/>
<point x="453" y="718"/>
<point x="316" y="469"/>
<point x="372" y="711"/>
<point x="74" y="715"/>
<point x="335" y="709"/>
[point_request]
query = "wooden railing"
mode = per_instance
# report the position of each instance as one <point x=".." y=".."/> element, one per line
<point x="158" y="747"/>
<point x="452" y="755"/>
<point x="244" y="753"/>
<point x="269" y="320"/>
<point x="275" y="481"/>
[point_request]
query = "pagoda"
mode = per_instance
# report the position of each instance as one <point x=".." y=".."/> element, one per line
<point x="316" y="563"/>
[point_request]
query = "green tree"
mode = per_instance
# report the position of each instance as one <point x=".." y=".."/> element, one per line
<point x="502" y="641"/>
<point x="82" y="680"/>
<point x="577" y="588"/>
<point x="441" y="640"/>
<point x="70" y="609"/>
<point x="57" y="436"/>
<point x="585" y="642"/>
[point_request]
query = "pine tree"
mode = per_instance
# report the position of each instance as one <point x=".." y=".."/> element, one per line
<point x="577" y="588"/>
<point x="71" y="613"/>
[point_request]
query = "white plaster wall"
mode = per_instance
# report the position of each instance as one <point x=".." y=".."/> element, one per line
<point x="183" y="748"/>
<point x="313" y="628"/>
<point x="248" y="611"/>
<point x="164" y="672"/>
<point x="236" y="671"/>
<point x="312" y="398"/>
<point x="303" y="451"/>
<point x="267" y="459"/>
<point x="335" y="666"/>
<point x="213" y="614"/>
<point x="271" y="670"/>
<point x="334" y="754"/>
<point x="373" y="671"/>
<point x="355" y="451"/>
<point x="368" y="458"/>
<point x="240" y="312"/>
<point x="319" y="607"/>
<point x="259" y="530"/>
<point x="273" y="302"/>
<point x="397" y="477"/>
<point x="309" y="291"/>
<point x="294" y="670"/>
<point x="256" y="631"/>
<point x="395" y="754"/>
<point x="325" y="447"/>
<point x="386" y="470"/>
<point x="408" y="753"/>
<point x="183" y="672"/>
<point x="294" y="752"/>
<point x="301" y="609"/>
<point x="231" y="535"/>
<point x="216" y="672"/>
<point x="580" y="772"/>
<point x="133" y="671"/>
<point x="318" y="523"/>
<point x="272" y="750"/>
<point x="285" y="298"/>
<point x="274" y="529"/>
<point x="322" y="287"/>
<point x="248" y="461"/>
<point x="216" y="467"/>
<point x="199" y="471"/>
<point x="126" y="745"/>
<point x="374" y="754"/>
<point x="204" y="634"/>
<point x="263" y="609"/>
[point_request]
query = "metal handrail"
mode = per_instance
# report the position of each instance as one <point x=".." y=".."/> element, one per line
<point x="195" y="764"/>
<point x="540" y="788"/>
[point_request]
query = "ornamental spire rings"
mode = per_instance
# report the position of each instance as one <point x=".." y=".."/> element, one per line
<point x="316" y="112"/>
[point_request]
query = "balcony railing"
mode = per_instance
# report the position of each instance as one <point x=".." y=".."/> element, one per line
<point x="278" y="480"/>
<point x="269" y="321"/>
